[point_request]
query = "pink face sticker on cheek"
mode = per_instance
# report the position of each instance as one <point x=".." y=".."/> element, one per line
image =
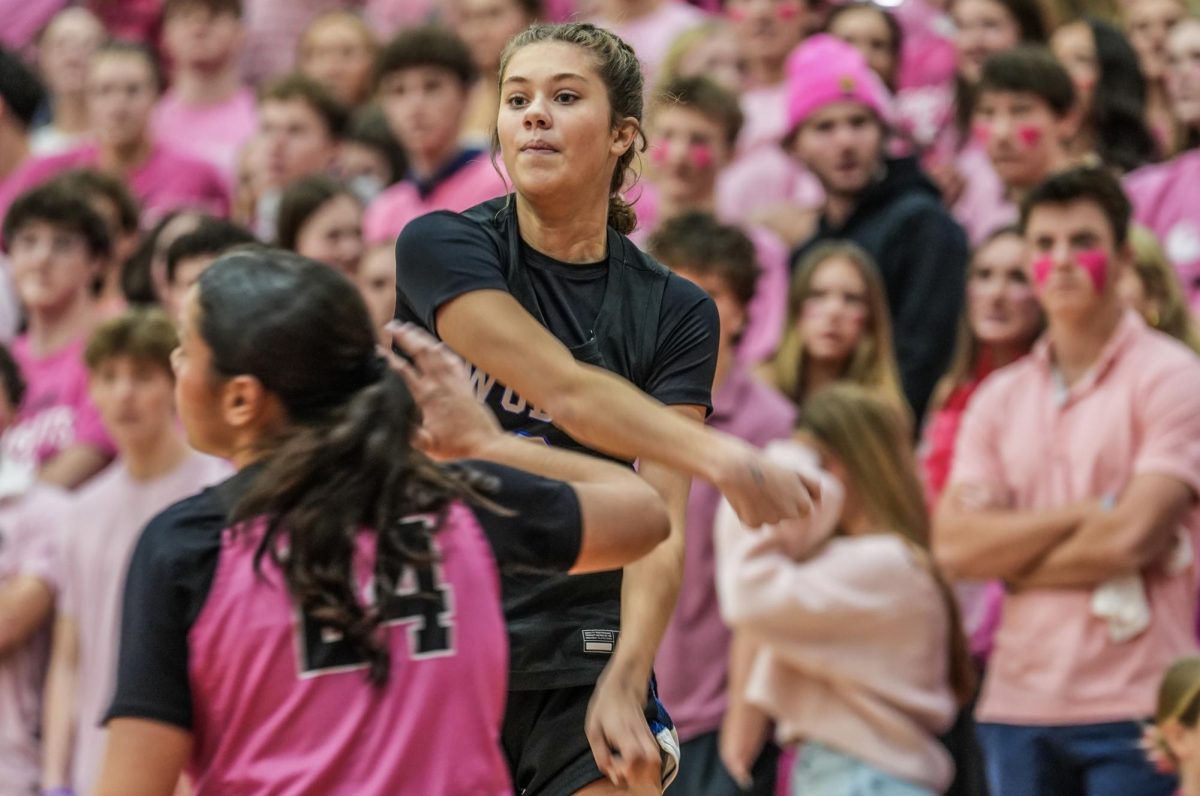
<point x="1095" y="262"/>
<point x="981" y="133"/>
<point x="736" y="15"/>
<point x="787" y="11"/>
<point x="1029" y="135"/>
<point x="1042" y="267"/>
<point x="658" y="155"/>
<point x="701" y="155"/>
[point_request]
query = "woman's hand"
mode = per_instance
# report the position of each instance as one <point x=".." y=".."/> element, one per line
<point x="454" y="424"/>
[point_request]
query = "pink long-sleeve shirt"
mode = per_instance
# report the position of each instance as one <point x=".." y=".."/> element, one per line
<point x="852" y="633"/>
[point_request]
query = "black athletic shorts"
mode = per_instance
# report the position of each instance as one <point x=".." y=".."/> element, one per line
<point x="546" y="746"/>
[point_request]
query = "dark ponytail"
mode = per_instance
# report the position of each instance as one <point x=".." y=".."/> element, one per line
<point x="343" y="463"/>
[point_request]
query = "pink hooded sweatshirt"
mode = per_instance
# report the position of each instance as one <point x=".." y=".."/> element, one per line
<point x="852" y="632"/>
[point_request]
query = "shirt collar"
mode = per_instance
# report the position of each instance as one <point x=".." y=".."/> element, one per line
<point x="426" y="187"/>
<point x="1129" y="329"/>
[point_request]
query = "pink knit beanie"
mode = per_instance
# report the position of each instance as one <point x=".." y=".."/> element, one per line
<point x="824" y="70"/>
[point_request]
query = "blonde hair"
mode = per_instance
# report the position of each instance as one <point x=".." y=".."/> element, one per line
<point x="682" y="46"/>
<point x="967" y="350"/>
<point x="872" y="363"/>
<point x="868" y="435"/>
<point x="1161" y="283"/>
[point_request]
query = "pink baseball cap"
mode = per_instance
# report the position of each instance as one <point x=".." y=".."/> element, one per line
<point x="824" y="70"/>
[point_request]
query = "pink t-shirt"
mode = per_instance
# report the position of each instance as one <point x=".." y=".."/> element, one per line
<point x="767" y="311"/>
<point x="1166" y="198"/>
<point x="212" y="133"/>
<point x="273" y="29"/>
<point x="693" y="687"/>
<point x="474" y="182"/>
<point x="167" y="181"/>
<point x="97" y="538"/>
<point x="138" y="20"/>
<point x="982" y="207"/>
<point x="25" y="19"/>
<point x="27" y="524"/>
<point x="651" y="35"/>
<point x="56" y="412"/>
<point x="386" y="17"/>
<point x="1136" y="412"/>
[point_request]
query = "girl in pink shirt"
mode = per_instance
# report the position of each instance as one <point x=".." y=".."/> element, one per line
<point x="329" y="620"/>
<point x="860" y="659"/>
<point x="1164" y="194"/>
<point x="1000" y="324"/>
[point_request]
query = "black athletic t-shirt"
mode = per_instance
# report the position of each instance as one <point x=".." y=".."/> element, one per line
<point x="171" y="579"/>
<point x="629" y="315"/>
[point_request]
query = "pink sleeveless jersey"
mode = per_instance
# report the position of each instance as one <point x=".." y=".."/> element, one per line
<point x="278" y="704"/>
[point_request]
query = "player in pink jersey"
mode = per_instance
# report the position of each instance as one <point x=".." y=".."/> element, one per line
<point x="329" y="620"/>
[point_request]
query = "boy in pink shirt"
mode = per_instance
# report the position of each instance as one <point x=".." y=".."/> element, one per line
<point x="28" y="513"/>
<point x="132" y="384"/>
<point x="693" y="125"/>
<point x="58" y="245"/>
<point x="424" y="83"/>
<point x="300" y="127"/>
<point x="122" y="89"/>
<point x="207" y="112"/>
<point x="1075" y="481"/>
<point x="720" y="259"/>
<point x="1024" y="116"/>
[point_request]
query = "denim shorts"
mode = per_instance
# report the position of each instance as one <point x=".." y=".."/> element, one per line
<point x="821" y="771"/>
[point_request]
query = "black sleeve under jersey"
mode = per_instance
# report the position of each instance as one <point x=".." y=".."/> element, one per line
<point x="440" y="257"/>
<point x="544" y="530"/>
<point x="689" y="333"/>
<point x="166" y="585"/>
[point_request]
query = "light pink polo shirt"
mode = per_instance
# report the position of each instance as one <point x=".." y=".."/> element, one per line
<point x="1136" y="412"/>
<point x="474" y="182"/>
<point x="1165" y="197"/>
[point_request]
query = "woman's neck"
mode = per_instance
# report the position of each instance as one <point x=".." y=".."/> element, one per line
<point x="1001" y="354"/>
<point x="669" y="207"/>
<point x="157" y="457"/>
<point x="125" y="158"/>
<point x="764" y="72"/>
<point x="629" y="10"/>
<point x="198" y="87"/>
<point x="426" y="164"/>
<point x="51" y="329"/>
<point x="1189" y="781"/>
<point x="819" y="374"/>
<point x="70" y="114"/>
<point x="566" y="233"/>
<point x="14" y="149"/>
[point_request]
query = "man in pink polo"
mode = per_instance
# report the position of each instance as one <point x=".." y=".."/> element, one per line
<point x="425" y="75"/>
<point x="1075" y="481"/>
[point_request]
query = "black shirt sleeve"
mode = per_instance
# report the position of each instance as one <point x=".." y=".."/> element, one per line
<point x="688" y="338"/>
<point x="544" y="530"/>
<point x="167" y="583"/>
<point x="440" y="257"/>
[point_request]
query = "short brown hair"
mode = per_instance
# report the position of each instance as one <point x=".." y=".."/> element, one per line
<point x="1094" y="184"/>
<point x="706" y="97"/>
<point x="697" y="242"/>
<point x="92" y="183"/>
<point x="427" y="45"/>
<point x="296" y="86"/>
<point x="144" y="334"/>
<point x="1029" y="69"/>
